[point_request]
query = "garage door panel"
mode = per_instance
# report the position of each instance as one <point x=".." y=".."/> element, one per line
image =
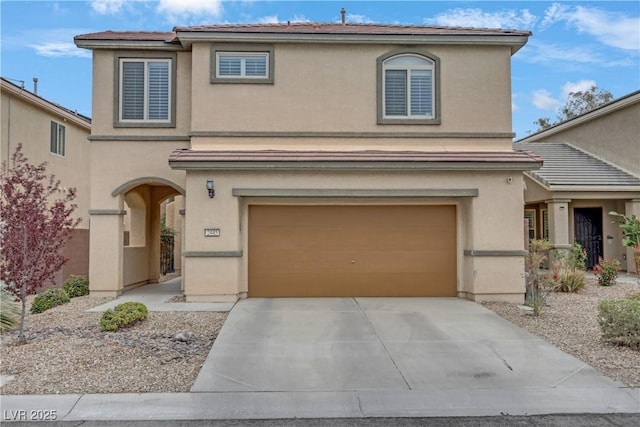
<point x="352" y="251"/>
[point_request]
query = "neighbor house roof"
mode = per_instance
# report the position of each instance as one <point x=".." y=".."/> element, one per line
<point x="304" y="32"/>
<point x="567" y="167"/>
<point x="369" y="159"/>
<point x="616" y="104"/>
<point x="44" y="104"/>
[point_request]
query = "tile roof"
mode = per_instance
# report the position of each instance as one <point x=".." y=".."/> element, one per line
<point x="129" y="36"/>
<point x="525" y="159"/>
<point x="298" y="28"/>
<point x="337" y="28"/>
<point x="565" y="165"/>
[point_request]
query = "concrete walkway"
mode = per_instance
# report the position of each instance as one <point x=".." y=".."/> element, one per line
<point x="362" y="357"/>
<point x="156" y="296"/>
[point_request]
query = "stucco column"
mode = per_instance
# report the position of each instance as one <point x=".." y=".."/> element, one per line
<point x="154" y="241"/>
<point x="631" y="208"/>
<point x="105" y="252"/>
<point x="559" y="223"/>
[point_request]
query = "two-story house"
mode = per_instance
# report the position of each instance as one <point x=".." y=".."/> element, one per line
<point x="314" y="159"/>
<point x="591" y="167"/>
<point x="56" y="135"/>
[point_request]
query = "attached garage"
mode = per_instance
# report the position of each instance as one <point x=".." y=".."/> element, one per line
<point x="347" y="250"/>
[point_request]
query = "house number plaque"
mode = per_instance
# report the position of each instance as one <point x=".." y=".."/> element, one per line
<point x="211" y="232"/>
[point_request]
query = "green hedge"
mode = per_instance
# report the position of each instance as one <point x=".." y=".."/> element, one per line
<point x="620" y="321"/>
<point x="76" y="286"/>
<point x="48" y="299"/>
<point x="122" y="316"/>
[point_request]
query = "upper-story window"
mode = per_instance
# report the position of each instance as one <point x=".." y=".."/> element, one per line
<point x="145" y="92"/>
<point x="57" y="142"/>
<point x="407" y="88"/>
<point x="241" y="64"/>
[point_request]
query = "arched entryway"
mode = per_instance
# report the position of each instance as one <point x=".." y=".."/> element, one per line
<point x="145" y="202"/>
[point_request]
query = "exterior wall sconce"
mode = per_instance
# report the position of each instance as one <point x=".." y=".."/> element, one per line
<point x="210" y="188"/>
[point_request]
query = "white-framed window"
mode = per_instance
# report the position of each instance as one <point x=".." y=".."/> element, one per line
<point x="145" y="90"/>
<point x="408" y="87"/>
<point x="530" y="214"/>
<point x="245" y="65"/>
<point x="57" y="143"/>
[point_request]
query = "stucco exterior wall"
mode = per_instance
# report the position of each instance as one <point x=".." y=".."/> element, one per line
<point x="215" y="268"/>
<point x="324" y="88"/>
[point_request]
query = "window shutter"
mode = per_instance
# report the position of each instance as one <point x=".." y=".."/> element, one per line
<point x="256" y="66"/>
<point x="132" y="90"/>
<point x="421" y="93"/>
<point x="61" y="140"/>
<point x="229" y="65"/>
<point x="395" y="92"/>
<point x="158" y="107"/>
<point x="54" y="137"/>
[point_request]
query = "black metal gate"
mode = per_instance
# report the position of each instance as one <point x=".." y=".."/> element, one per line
<point x="167" y="238"/>
<point x="588" y="227"/>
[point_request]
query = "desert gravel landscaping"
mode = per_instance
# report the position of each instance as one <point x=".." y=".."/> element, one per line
<point x="67" y="353"/>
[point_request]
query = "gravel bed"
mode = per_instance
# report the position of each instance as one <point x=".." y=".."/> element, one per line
<point x="67" y="353"/>
<point x="569" y="321"/>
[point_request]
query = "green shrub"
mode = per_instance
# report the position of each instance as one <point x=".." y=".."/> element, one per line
<point x="48" y="299"/>
<point x="9" y="310"/>
<point x="76" y="286"/>
<point x="577" y="257"/>
<point x="620" y="321"/>
<point x="569" y="280"/>
<point x="607" y="271"/>
<point x="122" y="316"/>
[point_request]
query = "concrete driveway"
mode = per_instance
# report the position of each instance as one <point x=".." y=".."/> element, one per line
<point x="384" y="344"/>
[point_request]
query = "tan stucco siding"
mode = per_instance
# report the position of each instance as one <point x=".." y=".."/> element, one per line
<point x="324" y="88"/>
<point x="105" y="84"/>
<point x="26" y="124"/>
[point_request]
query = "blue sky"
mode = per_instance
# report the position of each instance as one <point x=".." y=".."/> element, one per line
<point x="575" y="44"/>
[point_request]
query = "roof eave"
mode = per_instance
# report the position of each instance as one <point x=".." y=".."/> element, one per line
<point x="129" y="45"/>
<point x="187" y="38"/>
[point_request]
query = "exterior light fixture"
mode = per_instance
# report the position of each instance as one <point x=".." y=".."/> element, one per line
<point x="210" y="188"/>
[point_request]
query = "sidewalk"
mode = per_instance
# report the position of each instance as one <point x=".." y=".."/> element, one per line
<point x="344" y="404"/>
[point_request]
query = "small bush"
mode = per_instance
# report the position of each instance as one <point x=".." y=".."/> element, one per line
<point x="620" y="321"/>
<point x="76" y="286"/>
<point x="577" y="257"/>
<point x="569" y="280"/>
<point x="122" y="316"/>
<point x="49" y="299"/>
<point x="9" y="310"/>
<point x="607" y="271"/>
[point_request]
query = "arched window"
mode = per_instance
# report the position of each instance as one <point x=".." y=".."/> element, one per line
<point x="408" y="86"/>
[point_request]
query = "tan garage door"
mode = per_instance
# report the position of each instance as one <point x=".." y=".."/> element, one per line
<point x="332" y="251"/>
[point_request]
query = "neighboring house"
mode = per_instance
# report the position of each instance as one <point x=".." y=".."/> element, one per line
<point x="313" y="160"/>
<point x="591" y="167"/>
<point x="53" y="134"/>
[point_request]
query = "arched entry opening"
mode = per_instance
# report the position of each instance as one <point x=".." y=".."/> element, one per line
<point x="146" y="202"/>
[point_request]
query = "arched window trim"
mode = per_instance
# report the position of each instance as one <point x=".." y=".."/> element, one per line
<point x="382" y="66"/>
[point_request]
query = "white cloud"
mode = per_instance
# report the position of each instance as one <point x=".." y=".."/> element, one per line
<point x="578" y="86"/>
<point x="610" y="28"/>
<point x="543" y="100"/>
<point x="300" y="18"/>
<point x="271" y="19"/>
<point x="474" y="17"/>
<point x="107" y="7"/>
<point x="538" y="52"/>
<point x="60" y="50"/>
<point x="358" y="19"/>
<point x="183" y="9"/>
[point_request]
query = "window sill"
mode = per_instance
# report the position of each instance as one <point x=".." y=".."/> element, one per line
<point x="241" y="80"/>
<point x="407" y="121"/>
